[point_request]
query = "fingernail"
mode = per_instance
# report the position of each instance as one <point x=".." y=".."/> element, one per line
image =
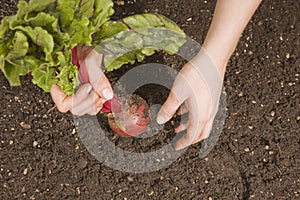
<point x="89" y="89"/>
<point x="107" y="94"/>
<point x="160" y="119"/>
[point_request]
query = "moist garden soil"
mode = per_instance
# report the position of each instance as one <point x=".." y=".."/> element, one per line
<point x="256" y="157"/>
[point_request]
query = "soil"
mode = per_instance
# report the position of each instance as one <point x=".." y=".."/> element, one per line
<point x="257" y="155"/>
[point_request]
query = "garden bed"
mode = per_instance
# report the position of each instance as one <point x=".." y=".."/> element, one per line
<point x="256" y="157"/>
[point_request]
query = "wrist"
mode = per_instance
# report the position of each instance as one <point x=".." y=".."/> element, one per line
<point x="217" y="61"/>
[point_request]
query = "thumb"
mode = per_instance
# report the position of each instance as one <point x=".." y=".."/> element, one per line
<point x="97" y="77"/>
<point x="103" y="87"/>
<point x="169" y="108"/>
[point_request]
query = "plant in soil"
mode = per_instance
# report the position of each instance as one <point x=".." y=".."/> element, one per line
<point x="42" y="37"/>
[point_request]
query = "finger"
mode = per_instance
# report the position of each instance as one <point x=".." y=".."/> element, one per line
<point x="208" y="128"/>
<point x="87" y="104"/>
<point x="96" y="108"/>
<point x="102" y="87"/>
<point x="93" y="104"/>
<point x="95" y="111"/>
<point x="99" y="103"/>
<point x="205" y="133"/>
<point x="61" y="100"/>
<point x="181" y="127"/>
<point x="183" y="110"/>
<point x="193" y="130"/>
<point x="96" y="76"/>
<point x="168" y="109"/>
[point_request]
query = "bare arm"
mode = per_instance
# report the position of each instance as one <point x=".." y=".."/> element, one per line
<point x="198" y="86"/>
<point x="229" y="21"/>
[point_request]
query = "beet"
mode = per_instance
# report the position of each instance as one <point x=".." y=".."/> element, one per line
<point x="132" y="119"/>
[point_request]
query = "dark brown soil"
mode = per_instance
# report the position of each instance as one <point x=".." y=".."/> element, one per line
<point x="257" y="155"/>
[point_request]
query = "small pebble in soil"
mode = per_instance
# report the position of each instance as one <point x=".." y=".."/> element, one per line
<point x="35" y="144"/>
<point x="267" y="147"/>
<point x="129" y="178"/>
<point x="23" y="189"/>
<point x="272" y="113"/>
<point x="25" y="126"/>
<point x="78" y="190"/>
<point x="25" y="171"/>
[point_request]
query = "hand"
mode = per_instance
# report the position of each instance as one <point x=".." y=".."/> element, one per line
<point x="96" y="89"/>
<point x="198" y="84"/>
<point x="198" y="87"/>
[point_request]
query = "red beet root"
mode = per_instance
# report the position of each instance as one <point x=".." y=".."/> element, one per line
<point x="132" y="119"/>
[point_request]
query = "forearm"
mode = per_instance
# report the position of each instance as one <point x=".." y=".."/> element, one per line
<point x="229" y="21"/>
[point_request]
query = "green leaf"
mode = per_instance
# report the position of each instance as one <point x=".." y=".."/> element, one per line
<point x="68" y="79"/>
<point x="48" y="22"/>
<point x="18" y="50"/>
<point x="11" y="72"/>
<point x="66" y="12"/>
<point x="4" y="28"/>
<point x="51" y="25"/>
<point x="44" y="76"/>
<point x="139" y="36"/>
<point x="103" y="11"/>
<point x="41" y="38"/>
<point x="86" y="8"/>
<point x="25" y="8"/>
<point x="140" y="21"/>
<point x="13" y="62"/>
<point x="68" y="73"/>
<point x="108" y="30"/>
<point x="39" y="5"/>
<point x="30" y="63"/>
<point x="81" y="32"/>
<point x="4" y="41"/>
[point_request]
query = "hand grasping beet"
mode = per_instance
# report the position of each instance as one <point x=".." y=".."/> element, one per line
<point x="127" y="116"/>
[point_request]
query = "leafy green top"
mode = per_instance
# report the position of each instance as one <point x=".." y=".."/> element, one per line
<point x="40" y="37"/>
